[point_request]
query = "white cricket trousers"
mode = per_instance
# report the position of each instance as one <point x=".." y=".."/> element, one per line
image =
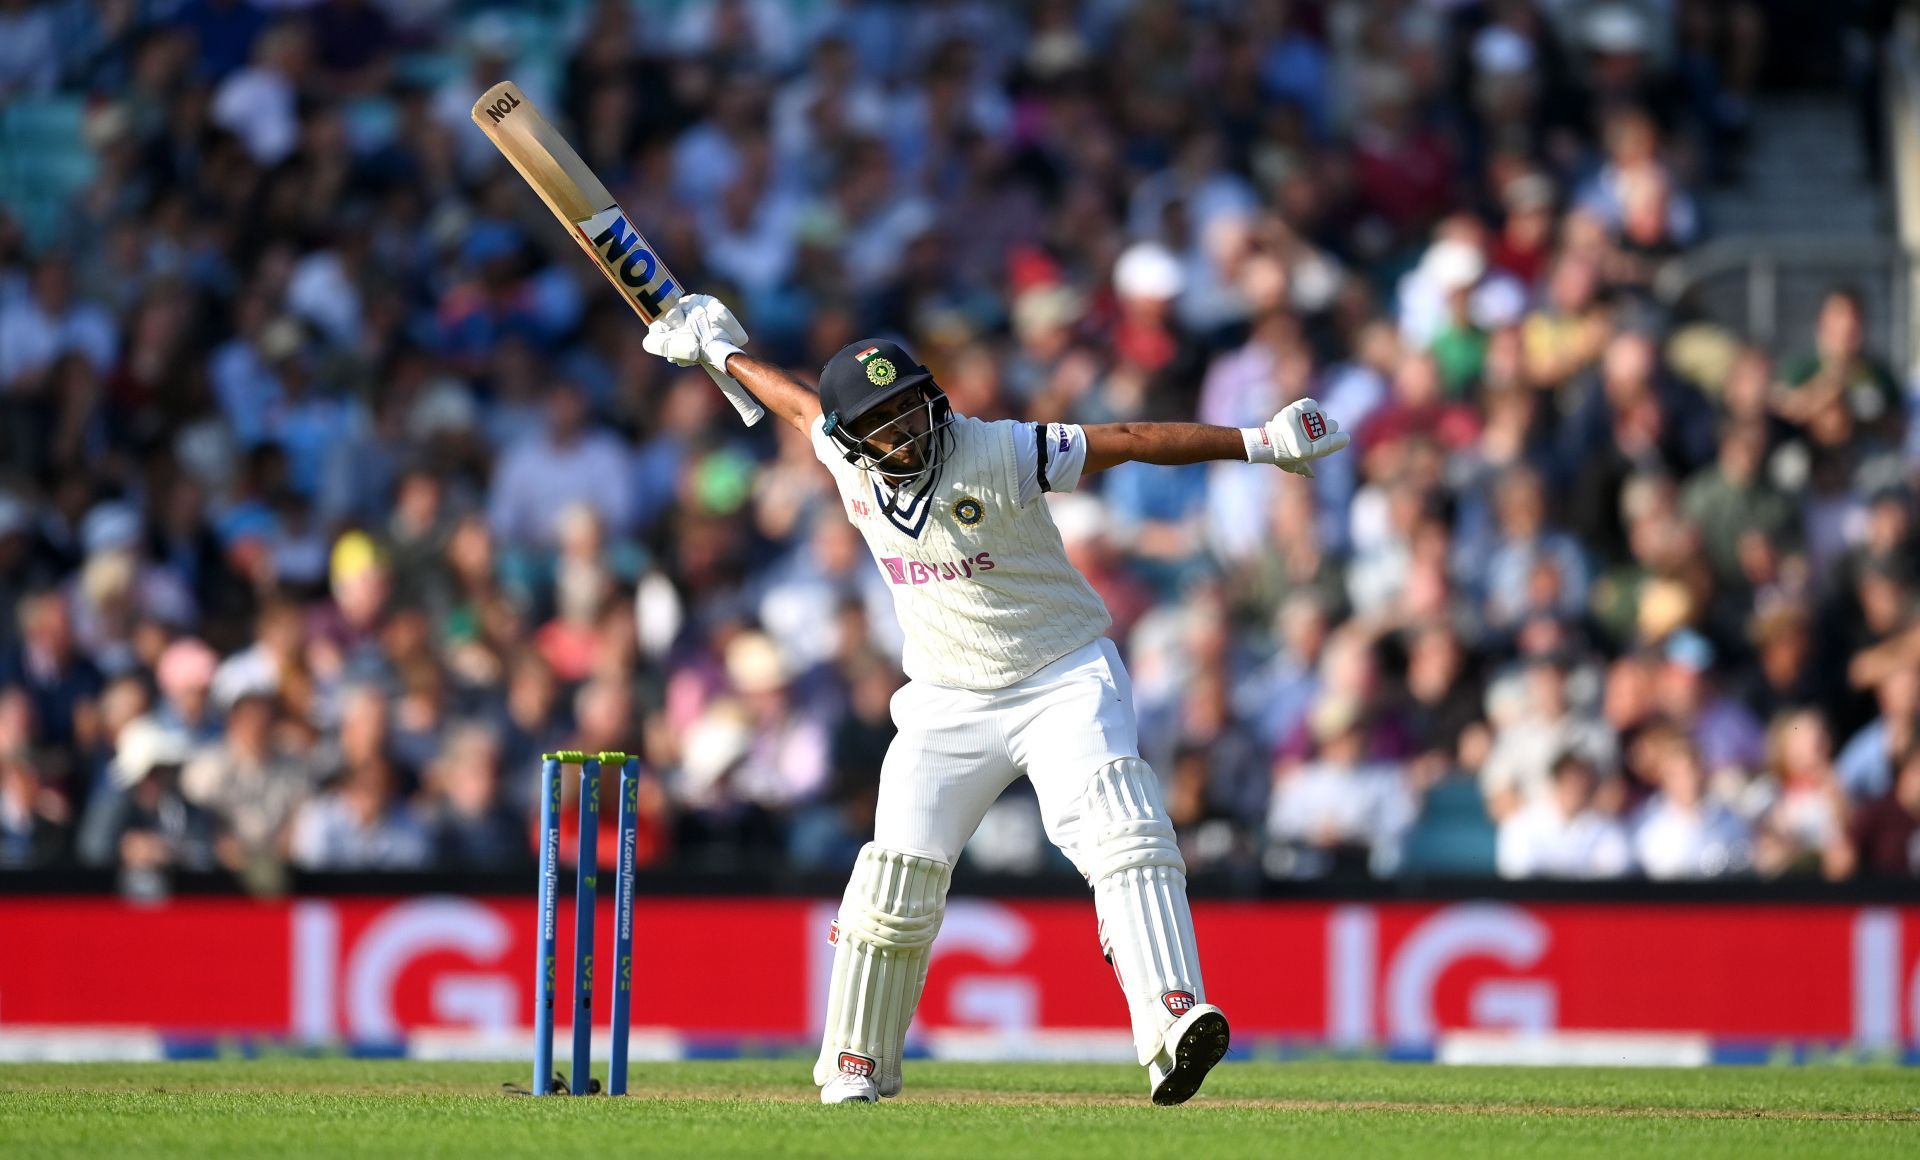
<point x="958" y="748"/>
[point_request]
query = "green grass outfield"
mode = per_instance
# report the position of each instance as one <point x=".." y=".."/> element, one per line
<point x="337" y="1107"/>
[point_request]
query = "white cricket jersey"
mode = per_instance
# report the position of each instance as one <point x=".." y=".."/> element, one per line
<point x="979" y="577"/>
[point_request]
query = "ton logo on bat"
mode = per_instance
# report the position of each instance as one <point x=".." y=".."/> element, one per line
<point x="500" y="108"/>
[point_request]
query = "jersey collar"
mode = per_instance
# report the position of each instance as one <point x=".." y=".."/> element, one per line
<point x="907" y="510"/>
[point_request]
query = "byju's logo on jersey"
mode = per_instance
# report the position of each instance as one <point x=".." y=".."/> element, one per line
<point x="901" y="570"/>
<point x="968" y="511"/>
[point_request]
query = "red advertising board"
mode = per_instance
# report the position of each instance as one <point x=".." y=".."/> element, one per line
<point x="376" y="969"/>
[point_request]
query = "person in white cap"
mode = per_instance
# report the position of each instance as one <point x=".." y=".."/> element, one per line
<point x="140" y="820"/>
<point x="1011" y="674"/>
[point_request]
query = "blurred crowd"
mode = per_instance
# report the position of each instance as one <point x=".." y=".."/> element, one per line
<point x="334" y="488"/>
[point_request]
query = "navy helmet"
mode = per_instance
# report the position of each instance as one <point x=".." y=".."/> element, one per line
<point x="868" y="376"/>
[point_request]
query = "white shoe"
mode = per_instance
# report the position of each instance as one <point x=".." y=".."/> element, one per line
<point x="848" y="1088"/>
<point x="1195" y="1042"/>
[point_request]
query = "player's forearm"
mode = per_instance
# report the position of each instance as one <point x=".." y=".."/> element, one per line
<point x="777" y="390"/>
<point x="1171" y="444"/>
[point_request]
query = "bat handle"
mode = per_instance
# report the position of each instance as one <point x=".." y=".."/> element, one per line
<point x="750" y="409"/>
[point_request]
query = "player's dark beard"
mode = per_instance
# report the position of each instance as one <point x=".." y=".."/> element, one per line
<point x="907" y="439"/>
<point x="903" y="460"/>
<point x="914" y="489"/>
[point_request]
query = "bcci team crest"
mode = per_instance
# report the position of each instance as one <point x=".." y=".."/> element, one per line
<point x="968" y="511"/>
<point x="880" y="371"/>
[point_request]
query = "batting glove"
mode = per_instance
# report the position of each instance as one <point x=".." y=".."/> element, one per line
<point x="697" y="330"/>
<point x="1292" y="439"/>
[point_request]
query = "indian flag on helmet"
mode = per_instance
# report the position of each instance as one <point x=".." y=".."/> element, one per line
<point x="880" y="371"/>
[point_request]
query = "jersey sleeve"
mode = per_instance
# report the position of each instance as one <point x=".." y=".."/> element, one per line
<point x="1047" y="457"/>
<point x="824" y="448"/>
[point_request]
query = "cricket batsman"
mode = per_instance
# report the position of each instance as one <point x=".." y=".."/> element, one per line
<point x="1010" y="674"/>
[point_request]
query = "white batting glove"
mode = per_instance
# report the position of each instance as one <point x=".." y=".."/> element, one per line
<point x="1292" y="439"/>
<point x="697" y="330"/>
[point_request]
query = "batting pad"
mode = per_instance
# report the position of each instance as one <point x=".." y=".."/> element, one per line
<point x="888" y="919"/>
<point x="1140" y="893"/>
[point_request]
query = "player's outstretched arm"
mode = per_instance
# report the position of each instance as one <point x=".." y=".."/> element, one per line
<point x="1291" y="440"/>
<point x="779" y="391"/>
<point x="1111" y="444"/>
<point x="699" y="330"/>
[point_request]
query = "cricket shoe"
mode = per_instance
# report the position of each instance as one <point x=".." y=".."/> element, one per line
<point x="848" y="1088"/>
<point x="853" y="1083"/>
<point x="1195" y="1042"/>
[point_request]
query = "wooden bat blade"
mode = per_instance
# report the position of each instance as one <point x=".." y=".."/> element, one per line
<point x="581" y="201"/>
<point x="577" y="197"/>
<point x="534" y="147"/>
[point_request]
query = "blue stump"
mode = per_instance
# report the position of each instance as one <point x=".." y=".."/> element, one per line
<point x="545" y="966"/>
<point x="586" y="895"/>
<point x="623" y="923"/>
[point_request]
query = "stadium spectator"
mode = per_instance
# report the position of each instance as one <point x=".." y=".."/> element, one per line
<point x="1727" y="734"/>
<point x="470" y="826"/>
<point x="1866" y="763"/>
<point x="34" y="816"/>
<point x="1682" y="831"/>
<point x="360" y="824"/>
<point x="60" y="684"/>
<point x="1561" y="833"/>
<point x="1234" y="776"/>
<point x="543" y="474"/>
<point x="251" y="789"/>
<point x="1803" y="813"/>
<point x="1276" y="697"/>
<point x="140" y="820"/>
<point x="259" y="102"/>
<point x="1784" y="673"/>
<point x="786" y="764"/>
<point x="831" y="833"/>
<point x="1885" y="834"/>
<point x="1535" y="727"/>
<point x="1739" y="514"/>
<point x="46" y="322"/>
<point x="1338" y="811"/>
<point x="1840" y="375"/>
<point x="185" y="675"/>
<point x="1533" y="569"/>
<point x="1443" y="694"/>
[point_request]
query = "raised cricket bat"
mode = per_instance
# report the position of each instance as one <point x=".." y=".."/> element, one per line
<point x="581" y="202"/>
